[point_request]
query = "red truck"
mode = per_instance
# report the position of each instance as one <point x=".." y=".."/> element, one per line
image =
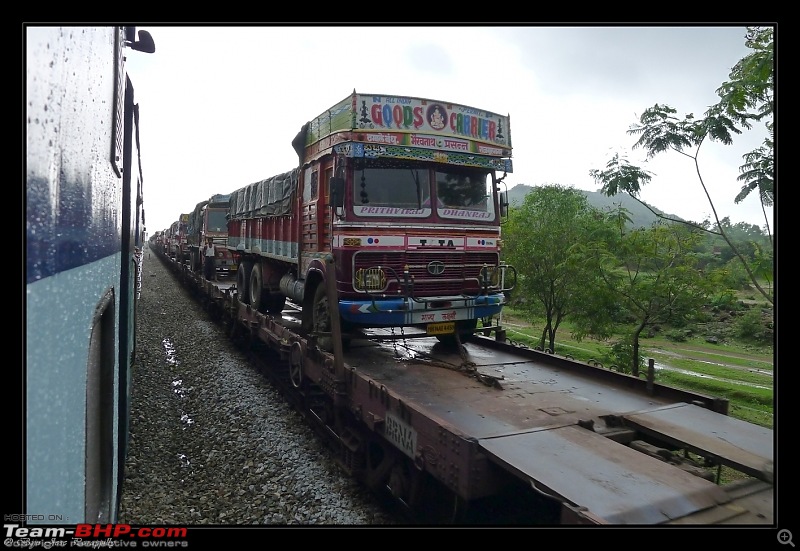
<point x="404" y="194"/>
<point x="171" y="238"/>
<point x="209" y="219"/>
<point x="178" y="246"/>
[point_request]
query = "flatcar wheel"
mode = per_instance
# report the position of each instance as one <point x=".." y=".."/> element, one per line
<point x="380" y="460"/>
<point x="233" y="330"/>
<point x="215" y="311"/>
<point x="404" y="483"/>
<point x="226" y="319"/>
<point x="296" y="365"/>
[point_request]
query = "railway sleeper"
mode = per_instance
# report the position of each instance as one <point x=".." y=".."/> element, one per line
<point x="671" y="457"/>
<point x="613" y="428"/>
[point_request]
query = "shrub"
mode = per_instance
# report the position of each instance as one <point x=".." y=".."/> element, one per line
<point x="676" y="335"/>
<point x="621" y="355"/>
<point x="750" y="327"/>
<point x="724" y="300"/>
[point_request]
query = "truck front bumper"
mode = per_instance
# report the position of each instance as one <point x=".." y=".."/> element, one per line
<point x="396" y="312"/>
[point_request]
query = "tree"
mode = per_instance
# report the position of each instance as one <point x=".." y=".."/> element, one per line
<point x="540" y="239"/>
<point x="749" y="95"/>
<point x="746" y="98"/>
<point x="653" y="276"/>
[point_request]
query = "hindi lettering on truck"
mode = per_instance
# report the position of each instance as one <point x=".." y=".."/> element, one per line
<point x="404" y="194"/>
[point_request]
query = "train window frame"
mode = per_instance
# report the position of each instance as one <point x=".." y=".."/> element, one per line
<point x="117" y="133"/>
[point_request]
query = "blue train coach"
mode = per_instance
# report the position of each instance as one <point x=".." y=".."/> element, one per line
<point x="84" y="233"/>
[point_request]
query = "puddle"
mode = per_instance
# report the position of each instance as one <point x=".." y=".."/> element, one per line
<point x="663" y="367"/>
<point x="177" y="388"/>
<point x="177" y="384"/>
<point x="169" y="348"/>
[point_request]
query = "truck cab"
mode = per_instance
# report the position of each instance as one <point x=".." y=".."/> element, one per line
<point x="209" y="220"/>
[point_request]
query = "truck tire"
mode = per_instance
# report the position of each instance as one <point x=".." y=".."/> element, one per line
<point x="321" y="318"/>
<point x="257" y="288"/>
<point x="243" y="282"/>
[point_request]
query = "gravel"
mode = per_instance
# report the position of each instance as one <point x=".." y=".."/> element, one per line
<point x="211" y="442"/>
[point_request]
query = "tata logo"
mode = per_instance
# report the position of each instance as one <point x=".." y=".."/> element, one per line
<point x="436" y="267"/>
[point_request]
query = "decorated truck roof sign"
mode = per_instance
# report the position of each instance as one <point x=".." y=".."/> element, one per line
<point x="382" y="123"/>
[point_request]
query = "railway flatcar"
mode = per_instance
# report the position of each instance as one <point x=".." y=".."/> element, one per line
<point x="85" y="228"/>
<point x="491" y="430"/>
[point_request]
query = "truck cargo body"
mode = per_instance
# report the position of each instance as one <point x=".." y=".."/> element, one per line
<point x="404" y="193"/>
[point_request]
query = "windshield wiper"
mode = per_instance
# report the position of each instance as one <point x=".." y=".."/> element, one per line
<point x="415" y="174"/>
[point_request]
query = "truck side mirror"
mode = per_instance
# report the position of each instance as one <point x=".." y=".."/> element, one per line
<point x="337" y="195"/>
<point x="503" y="205"/>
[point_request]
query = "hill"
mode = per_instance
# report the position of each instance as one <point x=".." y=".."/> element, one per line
<point x="640" y="216"/>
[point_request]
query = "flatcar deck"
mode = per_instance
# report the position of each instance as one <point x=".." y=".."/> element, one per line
<point x="604" y="446"/>
<point x="547" y="423"/>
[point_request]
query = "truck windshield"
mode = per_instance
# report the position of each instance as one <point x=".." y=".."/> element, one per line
<point x="404" y="188"/>
<point x="217" y="221"/>
<point x="461" y="193"/>
<point x="464" y="193"/>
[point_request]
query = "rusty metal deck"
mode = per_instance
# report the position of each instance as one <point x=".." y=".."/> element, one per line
<point x="609" y="480"/>
<point x="531" y="423"/>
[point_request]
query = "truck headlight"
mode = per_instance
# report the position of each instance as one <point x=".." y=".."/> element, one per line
<point x="370" y="279"/>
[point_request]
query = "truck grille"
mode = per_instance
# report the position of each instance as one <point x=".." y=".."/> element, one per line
<point x="433" y="273"/>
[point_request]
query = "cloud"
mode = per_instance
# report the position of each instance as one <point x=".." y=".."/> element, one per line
<point x="221" y="105"/>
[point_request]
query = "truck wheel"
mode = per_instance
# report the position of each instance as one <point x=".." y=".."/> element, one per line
<point x="321" y="318"/>
<point x="256" y="288"/>
<point x="243" y="282"/>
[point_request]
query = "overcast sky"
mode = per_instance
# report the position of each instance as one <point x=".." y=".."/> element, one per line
<point x="221" y="105"/>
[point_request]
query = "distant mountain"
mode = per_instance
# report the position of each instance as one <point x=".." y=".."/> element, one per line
<point x="640" y="216"/>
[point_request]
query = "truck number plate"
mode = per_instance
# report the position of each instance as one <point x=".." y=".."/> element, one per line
<point x="444" y="328"/>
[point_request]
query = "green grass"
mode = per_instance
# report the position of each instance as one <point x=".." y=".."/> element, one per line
<point x="748" y="376"/>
